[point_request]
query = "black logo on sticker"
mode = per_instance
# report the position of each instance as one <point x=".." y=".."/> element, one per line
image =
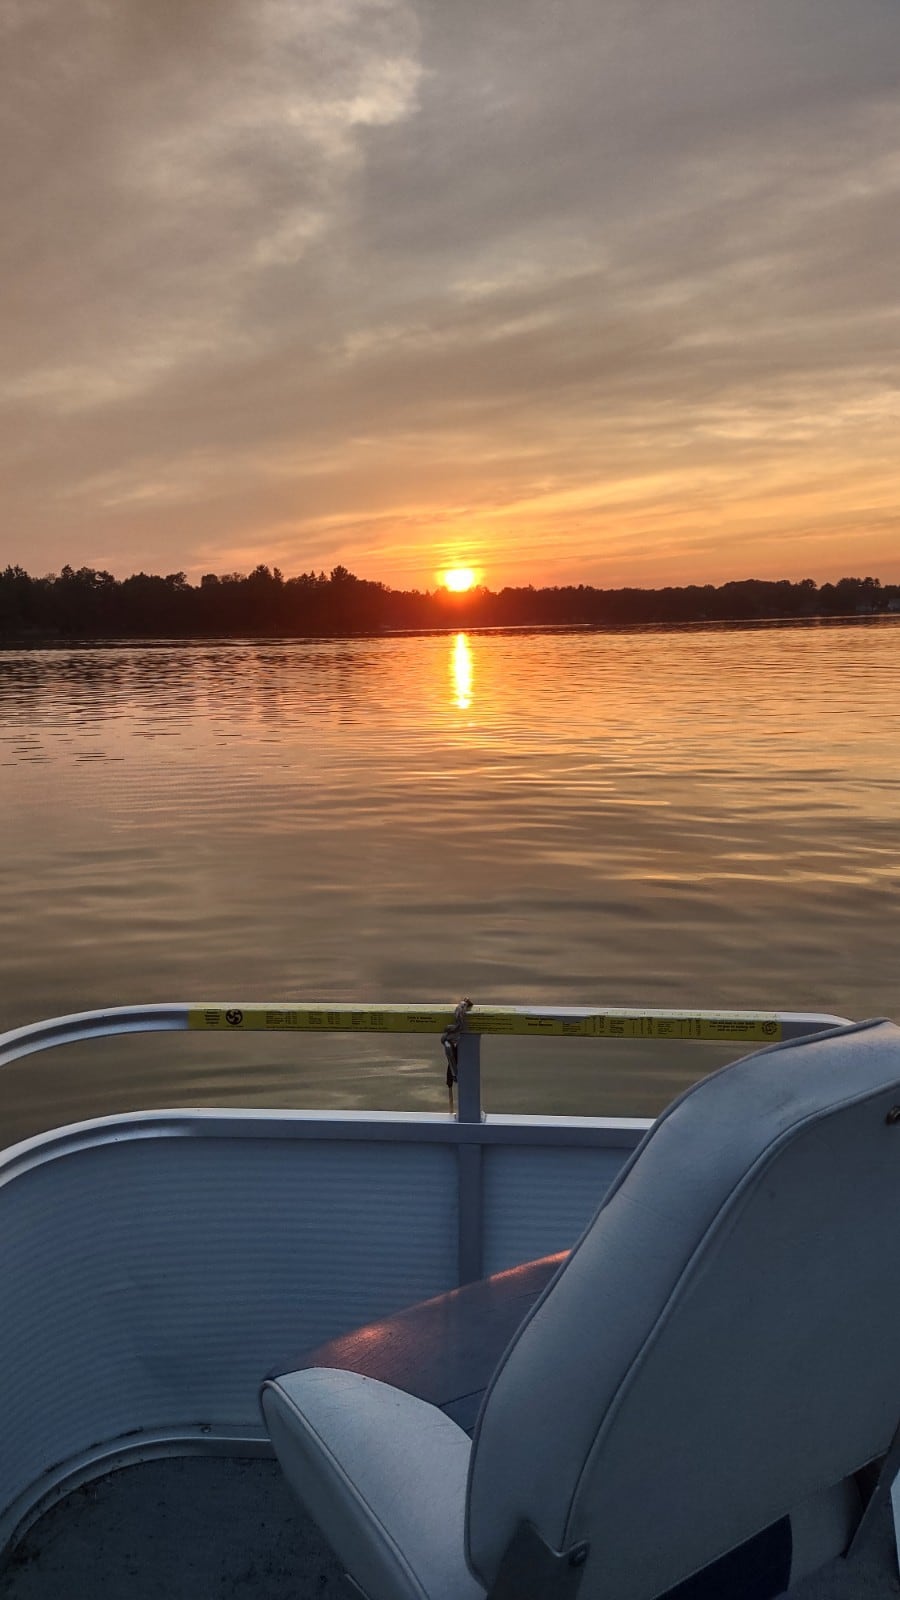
<point x="770" y="1027"/>
<point x="234" y="1017"/>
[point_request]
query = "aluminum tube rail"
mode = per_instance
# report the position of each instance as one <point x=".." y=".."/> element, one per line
<point x="83" y="1025"/>
<point x="615" y="1022"/>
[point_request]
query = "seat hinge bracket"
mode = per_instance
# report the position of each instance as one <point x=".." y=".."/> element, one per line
<point x="888" y="1470"/>
<point x="532" y="1570"/>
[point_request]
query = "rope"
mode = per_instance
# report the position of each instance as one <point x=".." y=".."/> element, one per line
<point x="450" y="1040"/>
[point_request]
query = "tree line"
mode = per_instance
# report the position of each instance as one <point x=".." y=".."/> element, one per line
<point x="90" y="604"/>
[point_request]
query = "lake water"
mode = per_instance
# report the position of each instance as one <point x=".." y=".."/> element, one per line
<point x="703" y="817"/>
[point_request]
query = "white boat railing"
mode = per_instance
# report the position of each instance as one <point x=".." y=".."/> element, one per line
<point x="744" y="1028"/>
<point x="157" y="1264"/>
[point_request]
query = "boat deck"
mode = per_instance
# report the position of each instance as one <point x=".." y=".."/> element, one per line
<point x="189" y="1529"/>
<point x="230" y="1530"/>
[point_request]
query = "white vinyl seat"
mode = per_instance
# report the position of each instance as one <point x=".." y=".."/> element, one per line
<point x="700" y="1383"/>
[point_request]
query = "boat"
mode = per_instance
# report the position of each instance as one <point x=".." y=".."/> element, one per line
<point x="212" y="1317"/>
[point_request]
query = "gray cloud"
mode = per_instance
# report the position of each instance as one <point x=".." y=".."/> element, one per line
<point x="570" y="289"/>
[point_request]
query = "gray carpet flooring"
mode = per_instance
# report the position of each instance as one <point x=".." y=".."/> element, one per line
<point x="216" y="1529"/>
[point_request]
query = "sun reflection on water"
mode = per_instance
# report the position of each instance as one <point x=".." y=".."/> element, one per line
<point x="461" y="673"/>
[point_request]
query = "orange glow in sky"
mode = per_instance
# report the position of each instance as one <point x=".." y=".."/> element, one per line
<point x="459" y="579"/>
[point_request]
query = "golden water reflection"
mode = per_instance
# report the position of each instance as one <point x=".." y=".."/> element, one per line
<point x="461" y="672"/>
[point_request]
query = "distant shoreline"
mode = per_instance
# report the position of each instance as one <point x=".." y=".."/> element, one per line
<point x="35" y="641"/>
<point x="87" y="604"/>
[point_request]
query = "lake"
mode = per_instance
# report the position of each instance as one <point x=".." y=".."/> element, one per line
<point x="697" y="817"/>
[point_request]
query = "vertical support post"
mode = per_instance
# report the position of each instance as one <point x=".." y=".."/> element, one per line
<point x="470" y="1213"/>
<point x="468" y="1087"/>
<point x="470" y="1205"/>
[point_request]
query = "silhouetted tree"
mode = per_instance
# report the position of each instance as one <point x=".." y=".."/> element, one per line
<point x="86" y="603"/>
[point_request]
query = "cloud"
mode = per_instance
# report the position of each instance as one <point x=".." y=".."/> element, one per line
<point x="549" y="288"/>
<point x="171" y="157"/>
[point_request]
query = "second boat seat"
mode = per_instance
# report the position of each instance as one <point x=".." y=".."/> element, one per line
<point x="443" y="1350"/>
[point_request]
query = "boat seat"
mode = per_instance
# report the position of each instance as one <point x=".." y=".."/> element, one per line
<point x="445" y="1349"/>
<point x="703" y="1381"/>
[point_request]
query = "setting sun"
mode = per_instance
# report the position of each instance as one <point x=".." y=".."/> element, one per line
<point x="458" y="579"/>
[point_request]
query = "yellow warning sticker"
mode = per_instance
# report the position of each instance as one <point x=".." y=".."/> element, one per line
<point x="713" y="1026"/>
<point x="324" y="1019"/>
<point x="637" y="1025"/>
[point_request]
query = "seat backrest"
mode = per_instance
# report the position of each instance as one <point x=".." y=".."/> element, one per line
<point x="725" y="1339"/>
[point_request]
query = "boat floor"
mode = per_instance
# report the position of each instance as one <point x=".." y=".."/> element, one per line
<point x="210" y="1528"/>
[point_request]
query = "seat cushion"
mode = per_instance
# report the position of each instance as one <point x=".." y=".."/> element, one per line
<point x="382" y="1474"/>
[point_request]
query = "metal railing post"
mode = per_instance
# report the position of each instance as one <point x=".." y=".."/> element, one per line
<point x="468" y="1088"/>
<point x="470" y="1206"/>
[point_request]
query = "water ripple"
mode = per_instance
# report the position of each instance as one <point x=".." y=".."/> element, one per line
<point x="688" y="817"/>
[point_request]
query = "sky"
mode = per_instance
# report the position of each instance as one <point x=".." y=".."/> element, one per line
<point x="598" y="291"/>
